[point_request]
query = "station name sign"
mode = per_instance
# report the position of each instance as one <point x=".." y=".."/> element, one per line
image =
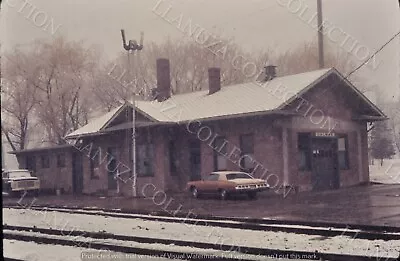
<point x="325" y="134"/>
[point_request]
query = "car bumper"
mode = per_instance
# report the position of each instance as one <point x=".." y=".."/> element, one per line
<point x="246" y="190"/>
<point x="27" y="189"/>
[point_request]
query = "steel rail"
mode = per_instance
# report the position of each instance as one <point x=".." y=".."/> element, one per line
<point x="307" y="228"/>
<point x="40" y="238"/>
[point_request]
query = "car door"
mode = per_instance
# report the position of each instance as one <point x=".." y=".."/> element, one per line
<point x="223" y="183"/>
<point x="210" y="183"/>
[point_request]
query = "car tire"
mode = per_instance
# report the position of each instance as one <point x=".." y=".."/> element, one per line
<point x="252" y="195"/>
<point x="194" y="192"/>
<point x="223" y="194"/>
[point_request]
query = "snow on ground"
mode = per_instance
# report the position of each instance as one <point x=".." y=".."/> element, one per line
<point x="207" y="234"/>
<point x="388" y="173"/>
<point x="176" y="219"/>
<point x="31" y="251"/>
<point x="179" y="249"/>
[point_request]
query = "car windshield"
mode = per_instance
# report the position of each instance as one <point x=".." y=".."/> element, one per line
<point x="238" y="176"/>
<point x="19" y="174"/>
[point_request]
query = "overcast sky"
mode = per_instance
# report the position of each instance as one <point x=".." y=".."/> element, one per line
<point x="254" y="24"/>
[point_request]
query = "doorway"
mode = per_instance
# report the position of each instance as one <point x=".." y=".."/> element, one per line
<point x="31" y="163"/>
<point x="112" y="168"/>
<point x="77" y="173"/>
<point x="325" y="174"/>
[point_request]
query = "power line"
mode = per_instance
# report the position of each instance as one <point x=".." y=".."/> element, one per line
<point x="363" y="63"/>
<point x="366" y="61"/>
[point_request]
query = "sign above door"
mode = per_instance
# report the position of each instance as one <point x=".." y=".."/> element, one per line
<point x="325" y="134"/>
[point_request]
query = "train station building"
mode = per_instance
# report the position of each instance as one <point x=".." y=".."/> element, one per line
<point x="307" y="131"/>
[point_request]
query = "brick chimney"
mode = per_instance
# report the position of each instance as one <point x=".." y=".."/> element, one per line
<point x="163" y="80"/>
<point x="214" y="80"/>
<point x="270" y="72"/>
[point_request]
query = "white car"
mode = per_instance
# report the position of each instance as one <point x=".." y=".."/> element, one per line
<point x="20" y="180"/>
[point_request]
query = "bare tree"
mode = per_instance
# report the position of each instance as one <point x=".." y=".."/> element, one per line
<point x="110" y="86"/>
<point x="19" y="97"/>
<point x="393" y="112"/>
<point x="189" y="63"/>
<point x="304" y="58"/>
<point x="59" y="85"/>
<point x="49" y="84"/>
<point x="116" y="81"/>
<point x="62" y="81"/>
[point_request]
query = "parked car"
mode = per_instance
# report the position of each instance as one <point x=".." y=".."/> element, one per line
<point x="20" y="180"/>
<point x="225" y="183"/>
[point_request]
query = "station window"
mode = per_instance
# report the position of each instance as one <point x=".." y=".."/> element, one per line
<point x="172" y="158"/>
<point x="343" y="155"/>
<point x="220" y="150"/>
<point x="304" y="148"/>
<point x="61" y="160"/>
<point x="145" y="160"/>
<point x="31" y="163"/>
<point x="247" y="148"/>
<point x="45" y="160"/>
<point x="95" y="156"/>
<point x="94" y="160"/>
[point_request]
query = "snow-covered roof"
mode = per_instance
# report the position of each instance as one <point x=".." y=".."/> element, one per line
<point x="95" y="125"/>
<point x="230" y="100"/>
<point x="41" y="148"/>
<point x="235" y="100"/>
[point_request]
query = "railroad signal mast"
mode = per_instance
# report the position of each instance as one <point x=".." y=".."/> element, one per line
<point x="132" y="44"/>
<point x="131" y="47"/>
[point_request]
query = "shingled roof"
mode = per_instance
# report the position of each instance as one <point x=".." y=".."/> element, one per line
<point x="233" y="101"/>
<point x="236" y="99"/>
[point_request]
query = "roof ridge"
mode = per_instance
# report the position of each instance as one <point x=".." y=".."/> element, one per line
<point x="243" y="83"/>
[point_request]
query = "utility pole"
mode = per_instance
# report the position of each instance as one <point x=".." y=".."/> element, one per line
<point x="131" y="47"/>
<point x="3" y="161"/>
<point x="320" y="35"/>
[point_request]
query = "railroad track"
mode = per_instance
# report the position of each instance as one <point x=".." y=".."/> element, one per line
<point x="299" y="227"/>
<point x="166" y="247"/>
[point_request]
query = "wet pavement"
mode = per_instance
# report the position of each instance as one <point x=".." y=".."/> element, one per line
<point x="368" y="205"/>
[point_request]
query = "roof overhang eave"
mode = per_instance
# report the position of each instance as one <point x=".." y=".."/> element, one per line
<point x="243" y="115"/>
<point x="84" y="135"/>
<point x="139" y="126"/>
<point x="370" y="118"/>
<point x="56" y="147"/>
<point x="165" y="123"/>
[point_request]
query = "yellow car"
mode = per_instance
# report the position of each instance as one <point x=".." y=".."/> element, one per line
<point x="225" y="183"/>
